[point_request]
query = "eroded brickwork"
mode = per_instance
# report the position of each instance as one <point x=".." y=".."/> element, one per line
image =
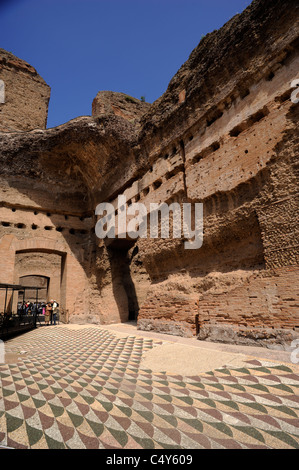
<point x="224" y="134"/>
<point x="26" y="95"/>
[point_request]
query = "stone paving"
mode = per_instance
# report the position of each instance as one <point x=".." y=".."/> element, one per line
<point x="87" y="388"/>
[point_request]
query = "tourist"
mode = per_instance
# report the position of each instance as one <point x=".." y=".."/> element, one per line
<point x="33" y="308"/>
<point x="55" y="311"/>
<point x="48" y="313"/>
<point x="51" y="318"/>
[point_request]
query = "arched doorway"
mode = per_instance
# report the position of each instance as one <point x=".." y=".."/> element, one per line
<point x="39" y="269"/>
<point x="40" y="256"/>
<point x="37" y="281"/>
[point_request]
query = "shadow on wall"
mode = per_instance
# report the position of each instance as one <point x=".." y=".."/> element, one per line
<point x="122" y="284"/>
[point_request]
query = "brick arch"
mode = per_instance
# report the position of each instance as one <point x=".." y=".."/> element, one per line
<point x="54" y="280"/>
<point x="35" y="272"/>
<point x="39" y="244"/>
<point x="74" y="293"/>
<point x="57" y="281"/>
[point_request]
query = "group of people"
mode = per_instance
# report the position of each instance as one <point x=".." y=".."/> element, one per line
<point x="29" y="308"/>
<point x="49" y="310"/>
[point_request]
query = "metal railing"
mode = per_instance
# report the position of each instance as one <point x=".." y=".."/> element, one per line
<point x="11" y="324"/>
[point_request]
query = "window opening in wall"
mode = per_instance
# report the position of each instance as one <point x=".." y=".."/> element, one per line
<point x="214" y="118"/>
<point x="215" y="146"/>
<point x="235" y="132"/>
<point x="244" y="93"/>
<point x="157" y="184"/>
<point x="197" y="158"/>
<point x="270" y="77"/>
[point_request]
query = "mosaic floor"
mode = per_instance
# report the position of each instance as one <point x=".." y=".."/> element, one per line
<point x="85" y="388"/>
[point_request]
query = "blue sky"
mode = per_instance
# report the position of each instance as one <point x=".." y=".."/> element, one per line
<point x="82" y="46"/>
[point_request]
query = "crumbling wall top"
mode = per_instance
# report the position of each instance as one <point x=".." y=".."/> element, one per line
<point x="118" y="104"/>
<point x="25" y="95"/>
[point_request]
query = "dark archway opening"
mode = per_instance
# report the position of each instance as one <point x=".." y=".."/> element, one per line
<point x="120" y="267"/>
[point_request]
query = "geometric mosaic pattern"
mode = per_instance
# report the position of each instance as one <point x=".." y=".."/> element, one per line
<point x="84" y="389"/>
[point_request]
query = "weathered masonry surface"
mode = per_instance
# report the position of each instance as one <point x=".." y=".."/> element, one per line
<point x="225" y="133"/>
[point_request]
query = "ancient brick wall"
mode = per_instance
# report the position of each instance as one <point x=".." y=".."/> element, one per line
<point x="26" y="95"/>
<point x="172" y="314"/>
<point x="268" y="299"/>
<point x="238" y="157"/>
<point x="35" y="241"/>
<point x="31" y="268"/>
<point x="224" y="134"/>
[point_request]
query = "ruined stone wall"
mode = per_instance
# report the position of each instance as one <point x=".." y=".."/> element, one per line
<point x="44" y="219"/>
<point x="118" y="104"/>
<point x="47" y="177"/>
<point x="26" y="95"/>
<point x="266" y="299"/>
<point x="249" y="188"/>
<point x="234" y="150"/>
<point x="224" y="134"/>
